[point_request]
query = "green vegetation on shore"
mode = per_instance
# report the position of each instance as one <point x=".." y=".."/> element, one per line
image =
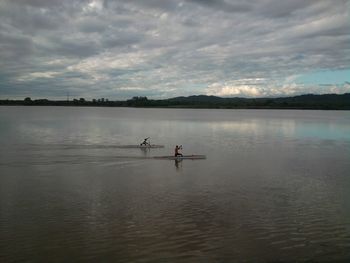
<point x="309" y="101"/>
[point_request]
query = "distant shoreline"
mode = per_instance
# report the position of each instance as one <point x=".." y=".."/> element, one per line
<point x="302" y="102"/>
<point x="185" y="107"/>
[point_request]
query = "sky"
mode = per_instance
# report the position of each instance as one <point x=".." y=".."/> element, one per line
<point x="168" y="48"/>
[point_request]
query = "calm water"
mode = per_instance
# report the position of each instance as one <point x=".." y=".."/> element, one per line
<point x="274" y="187"/>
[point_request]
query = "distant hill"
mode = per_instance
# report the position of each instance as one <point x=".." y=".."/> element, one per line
<point x="308" y="101"/>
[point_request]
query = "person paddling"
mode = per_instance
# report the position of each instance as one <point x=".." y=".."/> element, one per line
<point x="145" y="141"/>
<point x="177" y="148"/>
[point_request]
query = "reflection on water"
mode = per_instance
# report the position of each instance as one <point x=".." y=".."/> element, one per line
<point x="274" y="186"/>
<point x="178" y="165"/>
<point x="285" y="128"/>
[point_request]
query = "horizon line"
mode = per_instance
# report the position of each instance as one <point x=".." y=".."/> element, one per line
<point x="181" y="96"/>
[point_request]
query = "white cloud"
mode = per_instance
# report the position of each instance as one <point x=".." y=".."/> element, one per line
<point x="38" y="75"/>
<point x="131" y="88"/>
<point x="262" y="87"/>
<point x="234" y="90"/>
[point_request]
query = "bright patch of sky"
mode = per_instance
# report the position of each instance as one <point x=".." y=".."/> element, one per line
<point x="167" y="48"/>
<point x="325" y="77"/>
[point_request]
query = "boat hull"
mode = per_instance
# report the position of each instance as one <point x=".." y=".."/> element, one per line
<point x="141" y="146"/>
<point x="190" y="157"/>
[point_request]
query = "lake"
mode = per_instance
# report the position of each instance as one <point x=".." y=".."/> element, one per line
<point x="274" y="187"/>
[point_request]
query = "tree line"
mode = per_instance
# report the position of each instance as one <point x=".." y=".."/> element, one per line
<point x="308" y="101"/>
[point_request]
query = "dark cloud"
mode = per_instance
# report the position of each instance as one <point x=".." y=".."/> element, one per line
<point x="78" y="47"/>
<point x="168" y="5"/>
<point x="37" y="3"/>
<point x="282" y="9"/>
<point x="28" y="20"/>
<point x="14" y="46"/>
<point x="224" y="5"/>
<point x="91" y="25"/>
<point x="121" y="39"/>
<point x="45" y="3"/>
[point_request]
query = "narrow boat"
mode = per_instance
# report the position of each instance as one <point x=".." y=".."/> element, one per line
<point x="148" y="146"/>
<point x="172" y="157"/>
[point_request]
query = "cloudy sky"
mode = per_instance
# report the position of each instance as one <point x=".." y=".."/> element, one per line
<point x="167" y="48"/>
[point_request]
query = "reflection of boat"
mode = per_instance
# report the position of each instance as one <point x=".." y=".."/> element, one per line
<point x="172" y="157"/>
<point x="147" y="146"/>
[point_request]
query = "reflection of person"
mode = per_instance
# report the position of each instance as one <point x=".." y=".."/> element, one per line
<point x="145" y="150"/>
<point x="178" y="167"/>
<point x="177" y="148"/>
<point x="145" y="141"/>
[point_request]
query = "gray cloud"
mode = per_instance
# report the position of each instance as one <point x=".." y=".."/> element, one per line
<point x="281" y="9"/>
<point x="46" y="3"/>
<point x="224" y="5"/>
<point x="91" y="25"/>
<point x="79" y="47"/>
<point x="121" y="39"/>
<point x="15" y="46"/>
<point x="164" y="48"/>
